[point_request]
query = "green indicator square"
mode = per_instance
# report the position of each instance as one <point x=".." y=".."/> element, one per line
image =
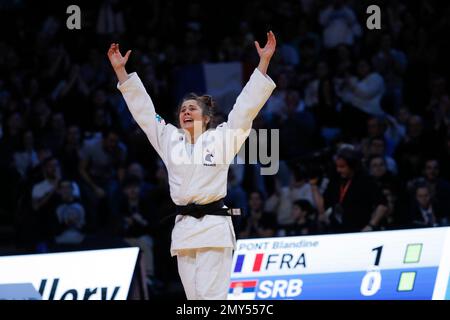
<point x="413" y="252"/>
<point x="406" y="282"/>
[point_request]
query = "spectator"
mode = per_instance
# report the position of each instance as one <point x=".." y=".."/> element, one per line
<point x="365" y="91"/>
<point x="339" y="23"/>
<point x="138" y="223"/>
<point x="136" y="170"/>
<point x="102" y="163"/>
<point x="380" y="172"/>
<point x="70" y="152"/>
<point x="71" y="216"/>
<point x="236" y="195"/>
<point x="353" y="200"/>
<point x="320" y="96"/>
<point x="299" y="188"/>
<point x="424" y="212"/>
<point x="391" y="64"/>
<point x="362" y="96"/>
<point x="297" y="128"/>
<point x="44" y="198"/>
<point x="305" y="220"/>
<point x="377" y="147"/>
<point x="275" y="106"/>
<point x="396" y="204"/>
<point x="258" y="223"/>
<point x="26" y="158"/>
<point x="439" y="188"/>
<point x="110" y="19"/>
<point x="412" y="149"/>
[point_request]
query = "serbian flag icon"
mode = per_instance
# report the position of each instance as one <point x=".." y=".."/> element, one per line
<point x="242" y="289"/>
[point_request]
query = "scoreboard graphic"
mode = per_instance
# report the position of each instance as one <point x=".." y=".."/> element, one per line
<point x="387" y="265"/>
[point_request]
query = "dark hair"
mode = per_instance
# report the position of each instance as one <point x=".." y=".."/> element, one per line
<point x="351" y="157"/>
<point x="300" y="172"/>
<point x="305" y="205"/>
<point x="206" y="103"/>
<point x="259" y="193"/>
<point x="420" y="185"/>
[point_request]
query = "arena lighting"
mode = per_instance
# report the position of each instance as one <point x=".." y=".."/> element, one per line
<point x="387" y="265"/>
<point x="81" y="275"/>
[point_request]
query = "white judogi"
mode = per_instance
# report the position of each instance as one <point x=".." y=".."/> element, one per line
<point x="201" y="176"/>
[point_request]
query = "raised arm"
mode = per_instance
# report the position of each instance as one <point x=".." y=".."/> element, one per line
<point x="256" y="91"/>
<point x="266" y="53"/>
<point x="118" y="62"/>
<point x="138" y="101"/>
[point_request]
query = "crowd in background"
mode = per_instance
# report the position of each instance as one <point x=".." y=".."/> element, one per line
<point x="364" y="120"/>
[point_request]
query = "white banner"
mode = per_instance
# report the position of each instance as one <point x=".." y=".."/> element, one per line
<point x="81" y="275"/>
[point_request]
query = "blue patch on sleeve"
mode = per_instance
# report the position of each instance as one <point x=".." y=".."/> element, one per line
<point x="159" y="119"/>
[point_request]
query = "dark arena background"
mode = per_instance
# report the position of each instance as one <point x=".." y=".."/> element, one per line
<point x="360" y="93"/>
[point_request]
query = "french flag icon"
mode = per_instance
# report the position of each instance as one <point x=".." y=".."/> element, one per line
<point x="256" y="263"/>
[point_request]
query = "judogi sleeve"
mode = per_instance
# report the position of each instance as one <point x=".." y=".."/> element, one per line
<point x="252" y="98"/>
<point x="143" y="111"/>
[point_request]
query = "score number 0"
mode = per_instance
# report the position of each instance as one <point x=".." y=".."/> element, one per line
<point x="371" y="282"/>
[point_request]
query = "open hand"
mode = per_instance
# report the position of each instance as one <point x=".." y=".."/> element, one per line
<point x="269" y="49"/>
<point x="115" y="57"/>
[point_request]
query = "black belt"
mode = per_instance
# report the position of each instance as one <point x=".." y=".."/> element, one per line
<point x="215" y="208"/>
<point x="200" y="210"/>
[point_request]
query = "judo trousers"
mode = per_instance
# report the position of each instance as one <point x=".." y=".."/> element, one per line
<point x="205" y="272"/>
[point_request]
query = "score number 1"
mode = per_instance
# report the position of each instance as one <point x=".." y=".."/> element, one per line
<point x="371" y="282"/>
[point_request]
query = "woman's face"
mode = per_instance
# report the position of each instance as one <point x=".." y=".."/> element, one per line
<point x="343" y="169"/>
<point x="377" y="167"/>
<point x="191" y="114"/>
<point x="298" y="213"/>
<point x="255" y="201"/>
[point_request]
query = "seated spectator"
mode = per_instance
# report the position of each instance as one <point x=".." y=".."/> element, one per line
<point x="299" y="188"/>
<point x="70" y="214"/>
<point x="412" y="150"/>
<point x="26" y="158"/>
<point x="102" y="162"/>
<point x="439" y="188"/>
<point x="258" y="223"/>
<point x="353" y="200"/>
<point x="305" y="220"/>
<point x="70" y="152"/>
<point x="396" y="207"/>
<point x="424" y="212"/>
<point x="136" y="170"/>
<point x="138" y="223"/>
<point x="377" y="147"/>
<point x="44" y="197"/>
<point x="377" y="168"/>
<point x="54" y="136"/>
